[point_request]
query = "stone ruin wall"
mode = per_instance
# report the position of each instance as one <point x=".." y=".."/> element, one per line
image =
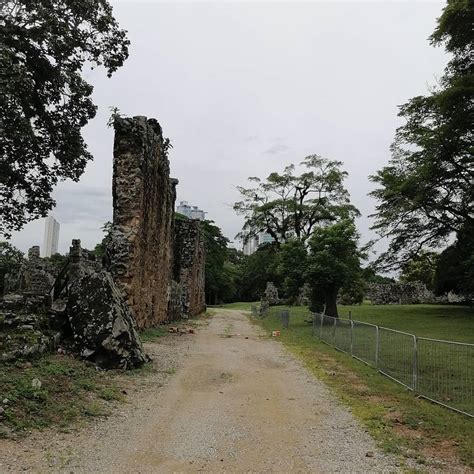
<point x="188" y="269"/>
<point x="151" y="272"/>
<point x="141" y="241"/>
<point x="406" y="293"/>
<point x="160" y="273"/>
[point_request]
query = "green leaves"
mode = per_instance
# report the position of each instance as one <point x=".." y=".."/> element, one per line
<point x="44" y="100"/>
<point x="426" y="193"/>
<point x="290" y="205"/>
<point x="333" y="263"/>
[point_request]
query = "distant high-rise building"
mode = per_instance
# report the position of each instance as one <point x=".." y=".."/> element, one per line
<point x="193" y="212"/>
<point x="51" y="237"/>
<point x="254" y="242"/>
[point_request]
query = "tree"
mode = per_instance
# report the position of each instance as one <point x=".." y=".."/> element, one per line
<point x="44" y="100"/>
<point x="421" y="267"/>
<point x="10" y="261"/>
<point x="426" y="193"/>
<point x="455" y="268"/>
<point x="56" y="262"/>
<point x="289" y="205"/>
<point x="333" y="263"/>
<point x="258" y="269"/>
<point x="99" y="249"/>
<point x="217" y="279"/>
<point x="369" y="275"/>
<point x="293" y="262"/>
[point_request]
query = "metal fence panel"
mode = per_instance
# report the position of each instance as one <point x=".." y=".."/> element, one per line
<point x="445" y="373"/>
<point x="343" y="335"/>
<point x="285" y="318"/>
<point x="397" y="356"/>
<point x="328" y="329"/>
<point x="317" y="324"/>
<point x="441" y="371"/>
<point x="364" y="342"/>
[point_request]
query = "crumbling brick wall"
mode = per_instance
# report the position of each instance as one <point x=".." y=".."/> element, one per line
<point x="140" y="245"/>
<point x="188" y="269"/>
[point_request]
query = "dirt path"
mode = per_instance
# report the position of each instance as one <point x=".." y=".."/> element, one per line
<point x="237" y="404"/>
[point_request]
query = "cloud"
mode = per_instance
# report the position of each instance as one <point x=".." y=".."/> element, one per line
<point x="252" y="138"/>
<point x="83" y="204"/>
<point x="277" y="148"/>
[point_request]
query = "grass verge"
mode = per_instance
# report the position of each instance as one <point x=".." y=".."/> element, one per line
<point x="398" y="421"/>
<point x="58" y="390"/>
<point x="52" y="390"/>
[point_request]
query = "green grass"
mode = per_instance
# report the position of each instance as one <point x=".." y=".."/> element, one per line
<point x="70" y="389"/>
<point x="400" y="422"/>
<point x="243" y="306"/>
<point x="455" y="323"/>
<point x="152" y="334"/>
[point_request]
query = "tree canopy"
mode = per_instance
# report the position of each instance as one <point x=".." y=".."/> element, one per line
<point x="426" y="193"/>
<point x="292" y="266"/>
<point x="10" y="261"/>
<point x="290" y="205"/>
<point x="422" y="268"/>
<point x="220" y="271"/>
<point x="333" y="263"/>
<point x="44" y="100"/>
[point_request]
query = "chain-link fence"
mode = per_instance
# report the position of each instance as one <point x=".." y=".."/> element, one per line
<point x="441" y="371"/>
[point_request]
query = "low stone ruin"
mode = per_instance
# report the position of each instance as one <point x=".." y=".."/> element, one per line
<point x="35" y="276"/>
<point x="81" y="308"/>
<point x="406" y="293"/>
<point x="271" y="294"/>
<point x="152" y="272"/>
<point x="269" y="298"/>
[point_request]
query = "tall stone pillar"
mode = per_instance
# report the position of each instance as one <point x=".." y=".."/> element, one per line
<point x="141" y="241"/>
<point x="189" y="266"/>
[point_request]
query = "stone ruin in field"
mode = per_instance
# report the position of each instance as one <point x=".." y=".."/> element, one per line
<point x="414" y="292"/>
<point x="152" y="272"/>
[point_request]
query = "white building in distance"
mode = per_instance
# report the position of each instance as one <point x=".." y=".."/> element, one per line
<point x="253" y="243"/>
<point x="51" y="236"/>
<point x="192" y="212"/>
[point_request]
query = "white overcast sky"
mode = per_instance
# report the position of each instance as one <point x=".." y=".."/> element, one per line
<point x="245" y="88"/>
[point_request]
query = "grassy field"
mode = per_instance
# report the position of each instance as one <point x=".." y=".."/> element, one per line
<point x="399" y="421"/>
<point x="455" y="323"/>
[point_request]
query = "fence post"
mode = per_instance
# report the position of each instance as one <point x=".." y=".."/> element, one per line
<point x="415" y="362"/>
<point x="352" y="333"/>
<point x="377" y="342"/>
<point x="321" y="326"/>
<point x="334" y="333"/>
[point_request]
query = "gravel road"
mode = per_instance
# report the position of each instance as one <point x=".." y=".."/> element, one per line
<point x="238" y="402"/>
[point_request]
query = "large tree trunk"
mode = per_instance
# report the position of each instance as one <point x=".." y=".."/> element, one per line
<point x="331" y="302"/>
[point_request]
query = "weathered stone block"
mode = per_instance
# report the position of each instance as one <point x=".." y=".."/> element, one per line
<point x="102" y="326"/>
